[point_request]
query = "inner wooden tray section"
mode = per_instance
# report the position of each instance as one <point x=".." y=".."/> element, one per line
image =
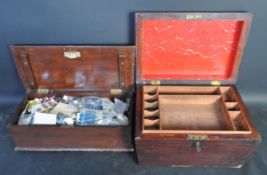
<point x="192" y="112"/>
<point x="194" y="109"/>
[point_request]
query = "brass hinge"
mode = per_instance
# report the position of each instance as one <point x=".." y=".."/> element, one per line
<point x="116" y="91"/>
<point x="215" y="83"/>
<point x="42" y="91"/>
<point x="155" y="82"/>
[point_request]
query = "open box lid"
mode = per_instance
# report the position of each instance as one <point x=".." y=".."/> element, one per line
<point x="99" y="69"/>
<point x="190" y="48"/>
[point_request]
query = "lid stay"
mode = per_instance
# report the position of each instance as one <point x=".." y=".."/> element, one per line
<point x="122" y="70"/>
<point x="25" y="67"/>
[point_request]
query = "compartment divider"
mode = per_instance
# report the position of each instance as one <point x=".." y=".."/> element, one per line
<point x="227" y="94"/>
<point x="238" y="120"/>
<point x="150" y="97"/>
<point x="153" y="113"/>
<point x="151" y="105"/>
<point x="227" y="115"/>
<point x="188" y="90"/>
<point x="232" y="106"/>
<point x="151" y="109"/>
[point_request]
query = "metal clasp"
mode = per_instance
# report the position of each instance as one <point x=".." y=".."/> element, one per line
<point x="215" y="83"/>
<point x="155" y="82"/>
<point x="116" y="91"/>
<point x="72" y="54"/>
<point x="43" y="91"/>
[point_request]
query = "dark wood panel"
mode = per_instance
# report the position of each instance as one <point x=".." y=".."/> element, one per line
<point x="87" y="137"/>
<point x="96" y="68"/>
<point x="183" y="153"/>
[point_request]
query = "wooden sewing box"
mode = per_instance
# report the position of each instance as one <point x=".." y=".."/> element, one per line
<point x="188" y="109"/>
<point x="103" y="71"/>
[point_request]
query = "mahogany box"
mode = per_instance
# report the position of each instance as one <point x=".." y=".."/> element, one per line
<point x="103" y="71"/>
<point x="188" y="109"/>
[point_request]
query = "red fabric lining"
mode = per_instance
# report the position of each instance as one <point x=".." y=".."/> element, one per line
<point x="189" y="49"/>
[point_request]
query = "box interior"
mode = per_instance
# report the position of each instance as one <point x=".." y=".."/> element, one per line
<point x="32" y="95"/>
<point x="192" y="108"/>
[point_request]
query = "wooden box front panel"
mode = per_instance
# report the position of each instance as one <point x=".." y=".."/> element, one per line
<point x="184" y="153"/>
<point x="72" y="139"/>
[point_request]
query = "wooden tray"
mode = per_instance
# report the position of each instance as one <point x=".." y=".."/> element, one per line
<point x="194" y="109"/>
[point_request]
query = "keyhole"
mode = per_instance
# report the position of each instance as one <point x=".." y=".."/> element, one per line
<point x="197" y="146"/>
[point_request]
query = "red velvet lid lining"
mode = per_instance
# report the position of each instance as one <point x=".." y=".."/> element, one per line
<point x="189" y="49"/>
